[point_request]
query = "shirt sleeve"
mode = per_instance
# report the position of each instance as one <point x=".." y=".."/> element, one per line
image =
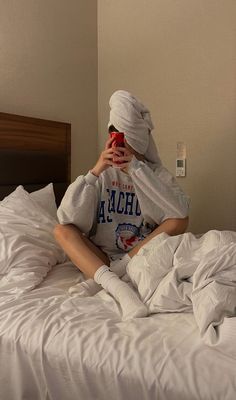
<point x="80" y="202"/>
<point x="160" y="197"/>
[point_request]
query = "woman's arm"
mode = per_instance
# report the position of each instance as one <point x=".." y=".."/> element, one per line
<point x="160" y="196"/>
<point x="172" y="227"/>
<point x="80" y="202"/>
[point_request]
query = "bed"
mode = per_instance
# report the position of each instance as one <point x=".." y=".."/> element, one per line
<point x="57" y="346"/>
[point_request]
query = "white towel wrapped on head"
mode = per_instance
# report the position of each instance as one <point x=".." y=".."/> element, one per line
<point x="130" y="116"/>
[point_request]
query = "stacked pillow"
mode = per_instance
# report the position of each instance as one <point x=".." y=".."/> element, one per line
<point x="28" y="249"/>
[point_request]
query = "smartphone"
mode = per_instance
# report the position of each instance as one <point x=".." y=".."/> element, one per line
<point x="118" y="141"/>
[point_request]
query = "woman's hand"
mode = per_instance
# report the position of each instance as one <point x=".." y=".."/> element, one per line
<point x="106" y="158"/>
<point x="127" y="155"/>
<point x="122" y="161"/>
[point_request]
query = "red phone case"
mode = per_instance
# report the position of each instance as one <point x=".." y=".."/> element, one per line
<point x="118" y="142"/>
<point x="119" y="139"/>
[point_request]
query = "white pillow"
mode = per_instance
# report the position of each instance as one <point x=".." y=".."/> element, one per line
<point x="45" y="197"/>
<point x="28" y="249"/>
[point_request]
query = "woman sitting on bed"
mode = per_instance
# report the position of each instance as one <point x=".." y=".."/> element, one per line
<point x="125" y="200"/>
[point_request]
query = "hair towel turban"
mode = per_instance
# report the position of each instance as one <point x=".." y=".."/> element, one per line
<point x="130" y="116"/>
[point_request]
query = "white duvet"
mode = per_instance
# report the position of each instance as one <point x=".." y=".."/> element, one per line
<point x="189" y="274"/>
<point x="57" y="347"/>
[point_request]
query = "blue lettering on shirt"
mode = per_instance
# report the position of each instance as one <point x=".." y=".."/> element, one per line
<point x="111" y="200"/>
<point x="137" y="209"/>
<point x="118" y="202"/>
<point x="120" y="209"/>
<point x="129" y="203"/>
<point x="101" y="213"/>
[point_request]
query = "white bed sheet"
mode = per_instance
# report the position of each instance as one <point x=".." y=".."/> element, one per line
<point x="57" y="347"/>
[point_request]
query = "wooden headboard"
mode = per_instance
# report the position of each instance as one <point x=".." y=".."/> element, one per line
<point x="33" y="153"/>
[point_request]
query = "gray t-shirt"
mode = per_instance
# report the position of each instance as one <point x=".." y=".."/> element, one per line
<point x="116" y="210"/>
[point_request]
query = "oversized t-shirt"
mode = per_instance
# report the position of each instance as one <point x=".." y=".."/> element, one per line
<point x="116" y="210"/>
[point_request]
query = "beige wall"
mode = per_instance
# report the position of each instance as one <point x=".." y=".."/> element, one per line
<point x="48" y="67"/>
<point x="179" y="57"/>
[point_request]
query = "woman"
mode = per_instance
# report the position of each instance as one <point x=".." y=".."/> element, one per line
<point x="124" y="201"/>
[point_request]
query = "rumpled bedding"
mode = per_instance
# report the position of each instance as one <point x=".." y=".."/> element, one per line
<point x="182" y="273"/>
<point x="28" y="250"/>
<point x="61" y="347"/>
<point x="186" y="273"/>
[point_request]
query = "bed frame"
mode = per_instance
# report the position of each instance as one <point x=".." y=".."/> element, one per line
<point x="33" y="153"/>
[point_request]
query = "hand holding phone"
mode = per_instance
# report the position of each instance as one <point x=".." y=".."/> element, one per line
<point x="118" y="141"/>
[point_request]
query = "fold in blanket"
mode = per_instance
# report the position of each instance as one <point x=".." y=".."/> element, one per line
<point x="189" y="274"/>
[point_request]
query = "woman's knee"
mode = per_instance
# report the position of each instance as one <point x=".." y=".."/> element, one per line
<point x="183" y="225"/>
<point x="63" y="232"/>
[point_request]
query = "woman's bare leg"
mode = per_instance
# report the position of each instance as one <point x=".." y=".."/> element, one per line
<point x="82" y="252"/>
<point x="94" y="263"/>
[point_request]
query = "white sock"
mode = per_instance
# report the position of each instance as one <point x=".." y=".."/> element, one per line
<point x="85" y="289"/>
<point x="119" y="266"/>
<point x="131" y="305"/>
